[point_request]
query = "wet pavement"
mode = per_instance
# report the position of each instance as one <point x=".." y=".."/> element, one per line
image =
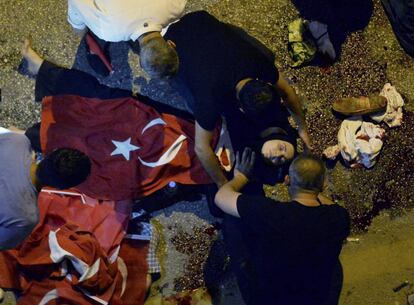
<point x="370" y="57"/>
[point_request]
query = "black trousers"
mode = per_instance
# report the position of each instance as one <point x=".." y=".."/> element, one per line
<point x="53" y="80"/>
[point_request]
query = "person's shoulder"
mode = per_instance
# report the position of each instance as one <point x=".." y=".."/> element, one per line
<point x="252" y="206"/>
<point x="199" y="17"/>
<point x="340" y="214"/>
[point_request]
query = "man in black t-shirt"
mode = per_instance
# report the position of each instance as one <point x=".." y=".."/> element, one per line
<point x="294" y="246"/>
<point x="227" y="70"/>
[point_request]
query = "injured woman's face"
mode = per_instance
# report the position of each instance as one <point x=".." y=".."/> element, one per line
<point x="278" y="152"/>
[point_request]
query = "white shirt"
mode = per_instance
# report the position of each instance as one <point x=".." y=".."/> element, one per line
<point x="123" y="20"/>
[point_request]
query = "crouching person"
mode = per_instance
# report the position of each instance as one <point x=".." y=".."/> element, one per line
<point x="290" y="249"/>
<point x="21" y="177"/>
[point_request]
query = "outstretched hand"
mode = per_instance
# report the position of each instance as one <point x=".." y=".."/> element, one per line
<point x="245" y="165"/>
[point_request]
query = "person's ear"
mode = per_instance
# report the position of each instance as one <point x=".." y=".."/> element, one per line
<point x="287" y="180"/>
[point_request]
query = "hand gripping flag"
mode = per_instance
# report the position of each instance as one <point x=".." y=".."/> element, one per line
<point x="134" y="149"/>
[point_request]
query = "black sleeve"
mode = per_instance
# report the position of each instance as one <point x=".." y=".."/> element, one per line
<point x="53" y="80"/>
<point x="259" y="213"/>
<point x="260" y="47"/>
<point x="206" y="115"/>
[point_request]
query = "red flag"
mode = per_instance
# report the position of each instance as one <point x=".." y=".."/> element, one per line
<point x="75" y="256"/>
<point x="134" y="149"/>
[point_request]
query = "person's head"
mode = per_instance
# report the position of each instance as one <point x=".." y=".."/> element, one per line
<point x="307" y="174"/>
<point x="256" y="96"/>
<point x="63" y="168"/>
<point x="277" y="145"/>
<point x="278" y="152"/>
<point x="158" y="57"/>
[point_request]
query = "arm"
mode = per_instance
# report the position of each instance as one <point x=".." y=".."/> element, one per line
<point x="206" y="155"/>
<point x="226" y="197"/>
<point x="293" y="105"/>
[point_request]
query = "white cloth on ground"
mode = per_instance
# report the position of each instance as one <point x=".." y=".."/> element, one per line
<point x="393" y="115"/>
<point x="123" y="20"/>
<point x="359" y="142"/>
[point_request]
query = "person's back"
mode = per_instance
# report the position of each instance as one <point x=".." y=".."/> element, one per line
<point x="295" y="249"/>
<point x="214" y="57"/>
<point x="123" y="20"/>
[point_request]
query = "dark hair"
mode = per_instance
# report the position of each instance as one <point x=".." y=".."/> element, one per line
<point x="158" y="58"/>
<point x="256" y="96"/>
<point x="307" y="172"/>
<point x="63" y="168"/>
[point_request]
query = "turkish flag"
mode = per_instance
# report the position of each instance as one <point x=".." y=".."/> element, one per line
<point x="77" y="255"/>
<point x="134" y="149"/>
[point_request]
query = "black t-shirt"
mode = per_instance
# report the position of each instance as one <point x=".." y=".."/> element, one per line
<point x="296" y="246"/>
<point x="214" y="57"/>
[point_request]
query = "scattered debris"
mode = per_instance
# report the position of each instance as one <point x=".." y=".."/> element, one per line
<point x="301" y="47"/>
<point x="353" y="239"/>
<point x="359" y="143"/>
<point x="401" y="286"/>
<point x="410" y="299"/>
<point x="393" y="115"/>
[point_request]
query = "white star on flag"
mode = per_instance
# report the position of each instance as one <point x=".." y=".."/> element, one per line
<point x="124" y="148"/>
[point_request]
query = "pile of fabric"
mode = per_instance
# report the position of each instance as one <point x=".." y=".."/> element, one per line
<point x="359" y="141"/>
<point x="77" y="254"/>
<point x="306" y="38"/>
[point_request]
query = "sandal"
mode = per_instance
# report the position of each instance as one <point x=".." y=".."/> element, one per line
<point x="360" y="106"/>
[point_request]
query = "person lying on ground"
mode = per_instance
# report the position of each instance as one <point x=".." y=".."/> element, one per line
<point x="22" y="176"/>
<point x="289" y="251"/>
<point x="137" y="145"/>
<point x="224" y="70"/>
<point x="137" y="21"/>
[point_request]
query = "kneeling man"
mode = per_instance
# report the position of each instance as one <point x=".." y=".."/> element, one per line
<point x="292" y="247"/>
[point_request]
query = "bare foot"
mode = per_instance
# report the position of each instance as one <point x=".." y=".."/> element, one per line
<point x="33" y="59"/>
<point x="1" y="294"/>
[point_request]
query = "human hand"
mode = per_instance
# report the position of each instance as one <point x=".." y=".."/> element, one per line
<point x="245" y="165"/>
<point x="304" y="135"/>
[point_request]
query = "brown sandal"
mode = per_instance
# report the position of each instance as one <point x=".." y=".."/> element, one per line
<point x="360" y="106"/>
